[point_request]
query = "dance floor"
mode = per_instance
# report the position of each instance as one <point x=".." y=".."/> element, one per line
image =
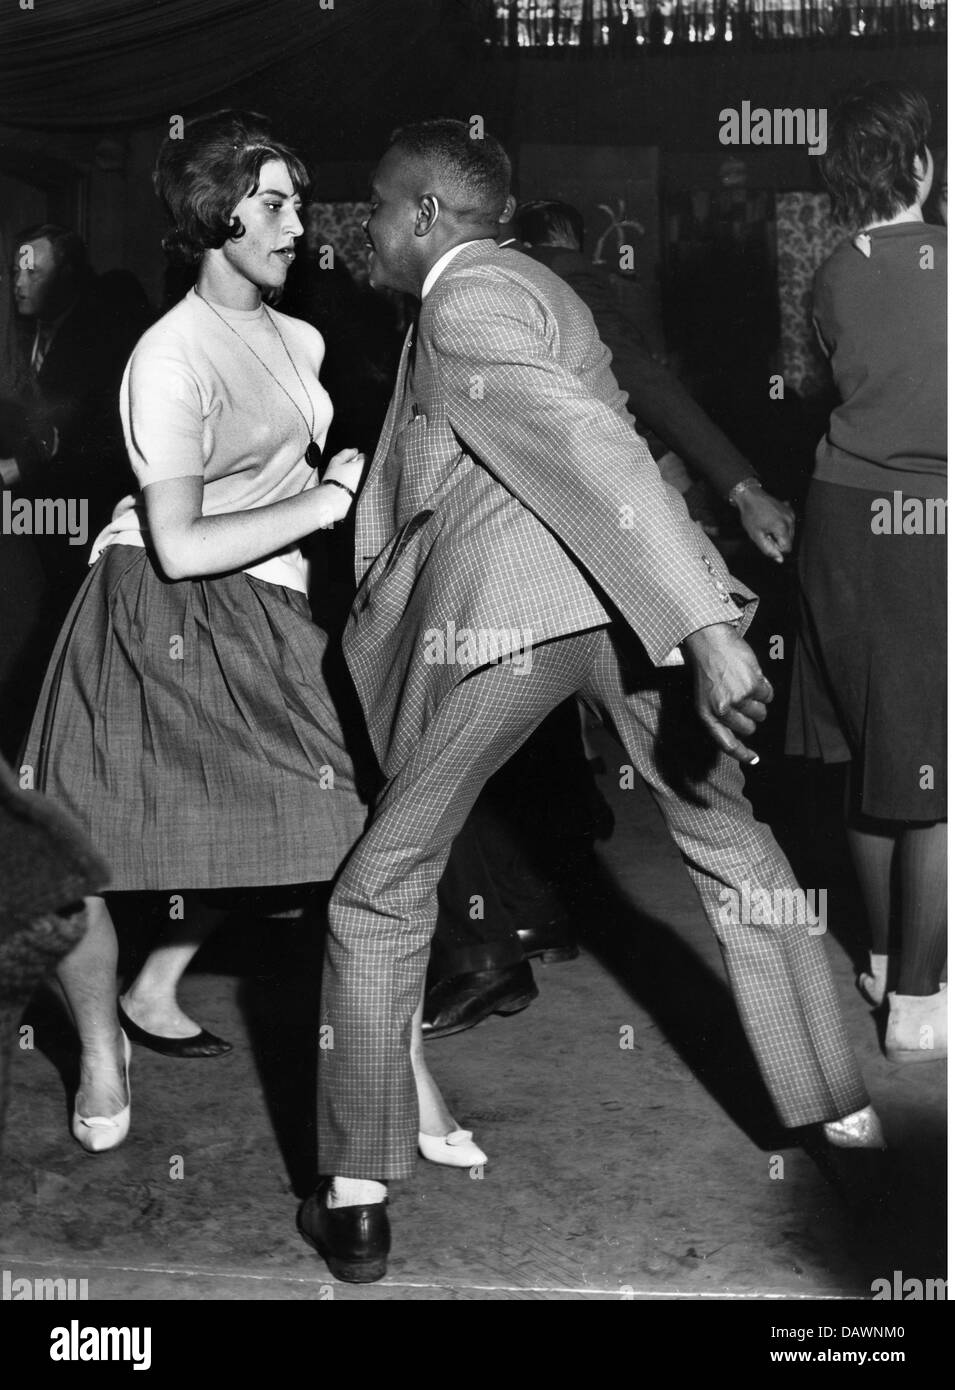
<point x="651" y="1171"/>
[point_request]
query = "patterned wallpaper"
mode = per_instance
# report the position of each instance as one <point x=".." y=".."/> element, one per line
<point x="805" y="236"/>
<point x="339" y="225"/>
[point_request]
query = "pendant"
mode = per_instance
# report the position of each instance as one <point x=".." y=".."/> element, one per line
<point x="313" y="455"/>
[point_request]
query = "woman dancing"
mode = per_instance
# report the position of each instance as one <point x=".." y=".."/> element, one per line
<point x="185" y="720"/>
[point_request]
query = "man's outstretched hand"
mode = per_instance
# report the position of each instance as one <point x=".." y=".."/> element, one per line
<point x="731" y="691"/>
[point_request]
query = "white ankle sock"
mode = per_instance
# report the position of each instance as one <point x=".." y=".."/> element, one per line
<point x="355" y="1192"/>
<point x="879" y="965"/>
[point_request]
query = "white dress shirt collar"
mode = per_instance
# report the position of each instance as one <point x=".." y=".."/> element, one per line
<point x="431" y="279"/>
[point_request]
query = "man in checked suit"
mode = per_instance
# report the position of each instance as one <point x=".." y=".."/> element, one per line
<point x="516" y="545"/>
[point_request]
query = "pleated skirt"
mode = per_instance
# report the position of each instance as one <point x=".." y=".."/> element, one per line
<point x="869" y="674"/>
<point x="189" y="729"/>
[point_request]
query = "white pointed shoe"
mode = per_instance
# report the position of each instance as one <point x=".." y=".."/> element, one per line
<point x="455" y="1150"/>
<point x="861" y="1130"/>
<point x="99" y="1133"/>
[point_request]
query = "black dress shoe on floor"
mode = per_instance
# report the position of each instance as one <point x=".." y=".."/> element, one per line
<point x="353" y="1241"/>
<point x="201" y="1044"/>
<point x="550" y="942"/>
<point x="460" y="1002"/>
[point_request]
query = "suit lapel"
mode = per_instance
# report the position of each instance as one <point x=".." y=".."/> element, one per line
<point x="396" y="407"/>
<point x="383" y="497"/>
<point x="372" y="519"/>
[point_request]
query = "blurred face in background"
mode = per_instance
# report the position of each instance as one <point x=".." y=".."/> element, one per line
<point x="38" y="285"/>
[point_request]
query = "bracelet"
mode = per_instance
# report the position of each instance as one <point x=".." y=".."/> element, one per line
<point x="744" y="485"/>
<point x="333" y="482"/>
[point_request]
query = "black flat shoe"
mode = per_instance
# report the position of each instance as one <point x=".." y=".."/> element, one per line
<point x="460" y="1002"/>
<point x="201" y="1044"/>
<point x="353" y="1241"/>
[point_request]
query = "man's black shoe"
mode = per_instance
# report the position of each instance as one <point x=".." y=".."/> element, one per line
<point x="460" y="1002"/>
<point x="353" y="1241"/>
<point x="550" y="941"/>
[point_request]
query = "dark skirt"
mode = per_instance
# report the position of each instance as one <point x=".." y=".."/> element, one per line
<point x="869" y="674"/>
<point x="189" y="729"/>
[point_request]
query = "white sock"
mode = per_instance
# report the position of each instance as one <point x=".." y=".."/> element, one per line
<point x="879" y="965"/>
<point x="355" y="1192"/>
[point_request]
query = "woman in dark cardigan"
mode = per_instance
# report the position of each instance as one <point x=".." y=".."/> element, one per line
<point x="869" y="677"/>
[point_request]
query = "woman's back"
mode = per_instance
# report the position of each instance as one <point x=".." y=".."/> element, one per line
<point x="882" y="317"/>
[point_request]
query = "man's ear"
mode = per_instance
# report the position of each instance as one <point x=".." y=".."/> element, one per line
<point x="428" y="212"/>
<point x="508" y="210"/>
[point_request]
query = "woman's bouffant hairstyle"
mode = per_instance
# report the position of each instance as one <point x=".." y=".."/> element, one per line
<point x="876" y="134"/>
<point x="205" y="174"/>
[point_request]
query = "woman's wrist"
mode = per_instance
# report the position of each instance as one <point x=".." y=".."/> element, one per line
<point x="334" y="482"/>
<point x="750" y="484"/>
<point x="335" y="500"/>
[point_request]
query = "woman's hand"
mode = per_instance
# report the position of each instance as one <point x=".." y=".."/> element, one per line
<point x="345" y="469"/>
<point x="770" y="524"/>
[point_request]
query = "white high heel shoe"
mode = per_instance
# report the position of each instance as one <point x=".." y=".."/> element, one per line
<point x="454" y="1150"/>
<point x="98" y="1133"/>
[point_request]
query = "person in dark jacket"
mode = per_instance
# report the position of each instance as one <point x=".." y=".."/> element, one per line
<point x="668" y="417"/>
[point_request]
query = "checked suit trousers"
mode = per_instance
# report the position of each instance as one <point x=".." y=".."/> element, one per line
<point x="384" y="906"/>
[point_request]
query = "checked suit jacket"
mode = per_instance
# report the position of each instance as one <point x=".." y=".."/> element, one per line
<point x="510" y="494"/>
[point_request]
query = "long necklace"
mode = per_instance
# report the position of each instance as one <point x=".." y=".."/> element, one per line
<point x="313" y="454"/>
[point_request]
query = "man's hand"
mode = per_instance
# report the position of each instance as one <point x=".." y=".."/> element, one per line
<point x="731" y="691"/>
<point x="768" y="523"/>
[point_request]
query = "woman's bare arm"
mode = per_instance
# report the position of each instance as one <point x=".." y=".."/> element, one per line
<point x="190" y="545"/>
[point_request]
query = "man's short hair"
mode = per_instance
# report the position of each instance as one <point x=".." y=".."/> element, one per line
<point x="203" y="176"/>
<point x="476" y="171"/>
<point x="547" y="221"/>
<point x="875" y="135"/>
<point x="68" y="247"/>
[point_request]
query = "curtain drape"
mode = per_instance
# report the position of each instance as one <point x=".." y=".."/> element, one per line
<point x="86" y="64"/>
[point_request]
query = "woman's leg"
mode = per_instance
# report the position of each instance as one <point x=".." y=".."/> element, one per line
<point x="151" y="1000"/>
<point x="922" y="910"/>
<point x="872" y="850"/>
<point x="88" y="977"/>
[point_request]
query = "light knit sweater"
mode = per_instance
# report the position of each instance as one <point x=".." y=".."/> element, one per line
<point x="196" y="403"/>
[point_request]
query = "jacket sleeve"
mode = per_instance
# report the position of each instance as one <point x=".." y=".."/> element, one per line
<point x="657" y="397"/>
<point x="573" y="460"/>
